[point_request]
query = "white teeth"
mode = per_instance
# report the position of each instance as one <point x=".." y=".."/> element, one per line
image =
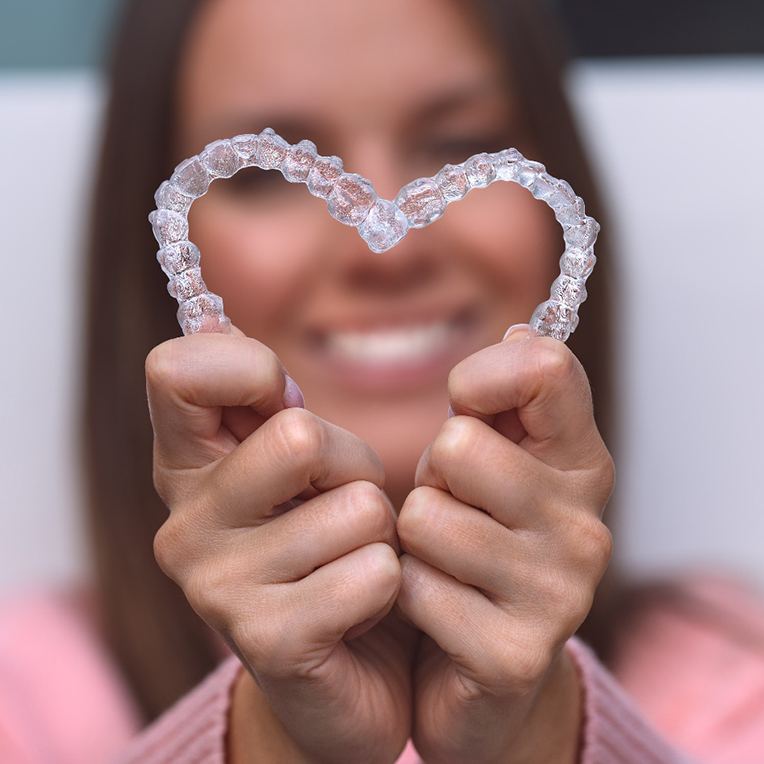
<point x="391" y="344"/>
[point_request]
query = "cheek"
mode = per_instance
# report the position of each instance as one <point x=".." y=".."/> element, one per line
<point x="259" y="262"/>
<point x="512" y="237"/>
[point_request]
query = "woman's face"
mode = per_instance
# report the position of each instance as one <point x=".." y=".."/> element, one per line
<point x="396" y="89"/>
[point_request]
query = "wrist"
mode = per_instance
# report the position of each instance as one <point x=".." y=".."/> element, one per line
<point x="554" y="726"/>
<point x="255" y="734"/>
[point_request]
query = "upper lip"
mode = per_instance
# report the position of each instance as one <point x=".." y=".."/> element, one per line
<point x="393" y="318"/>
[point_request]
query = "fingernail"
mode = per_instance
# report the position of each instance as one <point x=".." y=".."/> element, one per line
<point x="512" y="329"/>
<point x="450" y="412"/>
<point x="293" y="397"/>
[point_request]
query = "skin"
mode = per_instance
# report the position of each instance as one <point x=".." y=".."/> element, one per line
<point x="495" y="251"/>
<point x="496" y="509"/>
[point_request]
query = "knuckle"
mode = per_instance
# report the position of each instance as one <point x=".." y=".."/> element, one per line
<point x="200" y="593"/>
<point x="265" y="359"/>
<point x="594" y="543"/>
<point x="573" y="599"/>
<point x="579" y="604"/>
<point x="171" y="544"/>
<point x="413" y="514"/>
<point x="457" y="437"/>
<point x="384" y="565"/>
<point x="369" y="501"/>
<point x="555" y="360"/>
<point x="603" y="545"/>
<point x="210" y="588"/>
<point x="529" y="667"/>
<point x="597" y="540"/>
<point x="161" y="364"/>
<point x="457" y="383"/>
<point x="299" y="434"/>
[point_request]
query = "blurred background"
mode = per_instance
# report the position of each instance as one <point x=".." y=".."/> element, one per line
<point x="670" y="96"/>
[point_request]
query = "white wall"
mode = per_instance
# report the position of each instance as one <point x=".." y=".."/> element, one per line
<point x="680" y="151"/>
<point x="47" y="138"/>
<point x="679" y="148"/>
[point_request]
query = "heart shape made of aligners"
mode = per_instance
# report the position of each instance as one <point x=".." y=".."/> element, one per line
<point x="382" y="223"/>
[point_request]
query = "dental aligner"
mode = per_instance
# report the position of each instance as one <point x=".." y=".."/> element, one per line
<point x="351" y="200"/>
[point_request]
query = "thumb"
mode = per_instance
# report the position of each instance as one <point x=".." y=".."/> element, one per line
<point x="544" y="382"/>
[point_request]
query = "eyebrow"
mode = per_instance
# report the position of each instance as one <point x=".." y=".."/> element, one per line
<point x="456" y="98"/>
<point x="292" y="127"/>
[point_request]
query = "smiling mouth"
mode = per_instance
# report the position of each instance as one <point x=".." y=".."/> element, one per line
<point x="400" y="344"/>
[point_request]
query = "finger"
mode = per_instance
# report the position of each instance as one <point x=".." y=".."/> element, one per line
<point x="483" y="469"/>
<point x="460" y="619"/>
<point x="360" y="585"/>
<point x="294" y="452"/>
<point x="461" y="541"/>
<point x="190" y="379"/>
<point x="243" y="420"/>
<point x="322" y="529"/>
<point x="541" y="378"/>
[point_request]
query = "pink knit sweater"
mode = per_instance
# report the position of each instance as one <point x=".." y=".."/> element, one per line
<point x="684" y="690"/>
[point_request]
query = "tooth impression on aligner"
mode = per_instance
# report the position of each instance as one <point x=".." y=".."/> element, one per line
<point x="167" y="197"/>
<point x="384" y="226"/>
<point x="246" y="146"/>
<point x="556" y="193"/>
<point x="577" y="262"/>
<point x="480" y="170"/>
<point x="298" y="161"/>
<point x="178" y="257"/>
<point x="528" y="171"/>
<point x="452" y="182"/>
<point x="271" y="150"/>
<point x="202" y="313"/>
<point x="351" y="199"/>
<point x="220" y="159"/>
<point x="507" y="163"/>
<point x="543" y="187"/>
<point x="569" y="290"/>
<point x="191" y="178"/>
<point x="323" y="175"/>
<point x="168" y="226"/>
<point x="187" y="284"/>
<point x="554" y="319"/>
<point x="582" y="236"/>
<point x="421" y="202"/>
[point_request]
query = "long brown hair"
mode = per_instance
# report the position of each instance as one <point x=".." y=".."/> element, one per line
<point x="161" y="646"/>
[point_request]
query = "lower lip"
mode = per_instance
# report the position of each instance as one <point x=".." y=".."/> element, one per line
<point x="395" y="375"/>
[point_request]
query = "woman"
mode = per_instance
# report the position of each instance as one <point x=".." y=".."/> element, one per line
<point x="365" y="621"/>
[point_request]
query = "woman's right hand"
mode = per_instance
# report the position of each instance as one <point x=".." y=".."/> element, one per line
<point x="302" y="592"/>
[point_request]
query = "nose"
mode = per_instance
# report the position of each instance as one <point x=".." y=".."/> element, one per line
<point x="377" y="159"/>
<point x="412" y="265"/>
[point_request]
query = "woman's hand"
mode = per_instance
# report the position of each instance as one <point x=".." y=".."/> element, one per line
<point x="302" y="592"/>
<point x="504" y="548"/>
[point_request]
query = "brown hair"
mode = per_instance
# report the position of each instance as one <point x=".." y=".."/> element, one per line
<point x="161" y="646"/>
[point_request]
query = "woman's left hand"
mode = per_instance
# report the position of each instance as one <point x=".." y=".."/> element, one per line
<point x="503" y="549"/>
